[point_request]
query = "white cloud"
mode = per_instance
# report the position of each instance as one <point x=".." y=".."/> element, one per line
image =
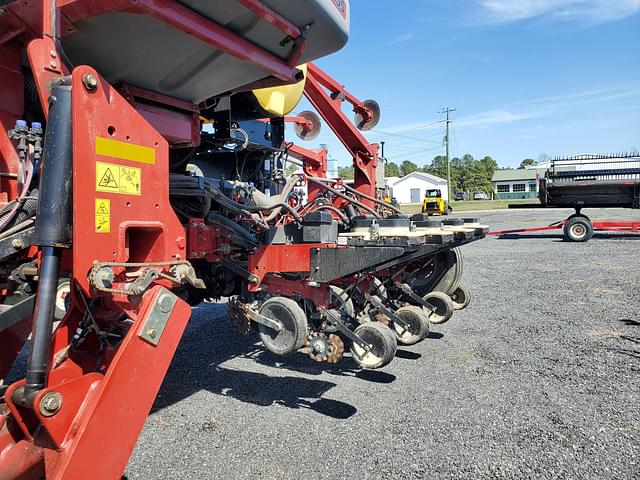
<point x="528" y="109"/>
<point x="498" y="117"/>
<point x="591" y="11"/>
<point x="405" y="37"/>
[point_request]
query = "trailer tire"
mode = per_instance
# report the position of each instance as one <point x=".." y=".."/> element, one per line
<point x="578" y="229"/>
<point x="443" y="305"/>
<point x="295" y="327"/>
<point x="460" y="298"/>
<point x="418" y="322"/>
<point x="383" y="346"/>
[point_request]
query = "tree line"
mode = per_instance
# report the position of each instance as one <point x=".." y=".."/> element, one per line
<point x="468" y="174"/>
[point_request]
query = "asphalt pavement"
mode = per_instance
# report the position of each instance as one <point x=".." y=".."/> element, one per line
<point x="537" y="378"/>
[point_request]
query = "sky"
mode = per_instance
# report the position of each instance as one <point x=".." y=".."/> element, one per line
<point x="527" y="77"/>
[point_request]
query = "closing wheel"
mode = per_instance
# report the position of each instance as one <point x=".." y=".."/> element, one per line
<point x="382" y="342"/>
<point x="293" y="320"/>
<point x="417" y="328"/>
<point x="460" y="298"/>
<point x="443" y="305"/>
<point x="578" y="229"/>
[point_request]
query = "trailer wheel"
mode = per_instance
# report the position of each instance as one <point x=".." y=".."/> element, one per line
<point x="418" y="327"/>
<point x="578" y="229"/>
<point x="382" y="342"/>
<point x="294" y="330"/>
<point x="460" y="298"/>
<point x="443" y="305"/>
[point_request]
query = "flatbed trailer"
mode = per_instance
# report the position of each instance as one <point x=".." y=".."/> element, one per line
<point x="576" y="228"/>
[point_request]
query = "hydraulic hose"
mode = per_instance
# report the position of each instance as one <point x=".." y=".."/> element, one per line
<point x="341" y="215"/>
<point x="186" y="184"/>
<point x="379" y="202"/>
<point x="241" y="236"/>
<point x="323" y="183"/>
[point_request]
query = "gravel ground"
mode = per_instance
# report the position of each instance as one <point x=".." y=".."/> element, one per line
<point x="537" y="378"/>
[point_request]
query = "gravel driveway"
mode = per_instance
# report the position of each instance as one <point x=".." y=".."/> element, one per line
<point x="537" y="378"/>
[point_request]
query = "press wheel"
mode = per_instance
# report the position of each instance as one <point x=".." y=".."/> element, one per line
<point x="443" y="305"/>
<point x="382" y="342"/>
<point x="460" y="298"/>
<point x="418" y="325"/>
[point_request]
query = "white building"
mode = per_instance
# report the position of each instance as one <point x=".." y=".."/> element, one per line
<point x="412" y="188"/>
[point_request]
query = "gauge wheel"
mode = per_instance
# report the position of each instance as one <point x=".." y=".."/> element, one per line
<point x="295" y="328"/>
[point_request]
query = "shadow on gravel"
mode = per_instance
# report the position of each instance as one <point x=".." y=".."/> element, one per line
<point x="256" y="388"/>
<point x="210" y="341"/>
<point x="628" y="353"/>
<point x="629" y="322"/>
<point x="300" y="363"/>
<point x="407" y="355"/>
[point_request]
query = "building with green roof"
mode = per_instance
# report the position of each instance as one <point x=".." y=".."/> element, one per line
<point x="510" y="184"/>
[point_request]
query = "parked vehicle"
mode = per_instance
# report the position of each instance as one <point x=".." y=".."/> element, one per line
<point x="434" y="204"/>
<point x="461" y="196"/>
<point x="481" y="196"/>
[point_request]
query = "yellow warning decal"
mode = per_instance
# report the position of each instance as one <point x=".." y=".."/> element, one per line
<point x="103" y="215"/>
<point x="125" y="151"/>
<point x="118" y="179"/>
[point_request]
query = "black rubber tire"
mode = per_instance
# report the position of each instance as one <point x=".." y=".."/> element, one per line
<point x="383" y="342"/>
<point x="295" y="327"/>
<point x="460" y="298"/>
<point x="443" y="304"/>
<point x="418" y="322"/>
<point x="578" y="229"/>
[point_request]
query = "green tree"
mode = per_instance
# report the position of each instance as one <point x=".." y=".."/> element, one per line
<point x="291" y="168"/>
<point x="527" y="162"/>
<point x="346" y="173"/>
<point x="391" y="170"/>
<point x="407" y="167"/>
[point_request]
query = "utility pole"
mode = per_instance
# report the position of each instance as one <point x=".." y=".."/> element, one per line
<point x="448" y="112"/>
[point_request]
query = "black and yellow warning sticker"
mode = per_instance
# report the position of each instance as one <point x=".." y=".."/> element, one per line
<point x="118" y="179"/>
<point x="103" y="215"/>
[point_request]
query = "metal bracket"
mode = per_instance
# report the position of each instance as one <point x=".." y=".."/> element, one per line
<point x="146" y="278"/>
<point x="262" y="320"/>
<point x="377" y="303"/>
<point x="408" y="291"/>
<point x="342" y="328"/>
<point x="158" y="317"/>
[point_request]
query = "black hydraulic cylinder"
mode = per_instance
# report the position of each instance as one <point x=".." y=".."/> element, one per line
<point x="53" y="232"/>
<point x="53" y="223"/>
<point x="43" y="313"/>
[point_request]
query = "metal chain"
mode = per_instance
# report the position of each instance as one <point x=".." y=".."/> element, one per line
<point x="97" y="266"/>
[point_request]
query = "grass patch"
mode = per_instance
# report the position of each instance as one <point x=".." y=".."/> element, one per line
<point x="470" y="205"/>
